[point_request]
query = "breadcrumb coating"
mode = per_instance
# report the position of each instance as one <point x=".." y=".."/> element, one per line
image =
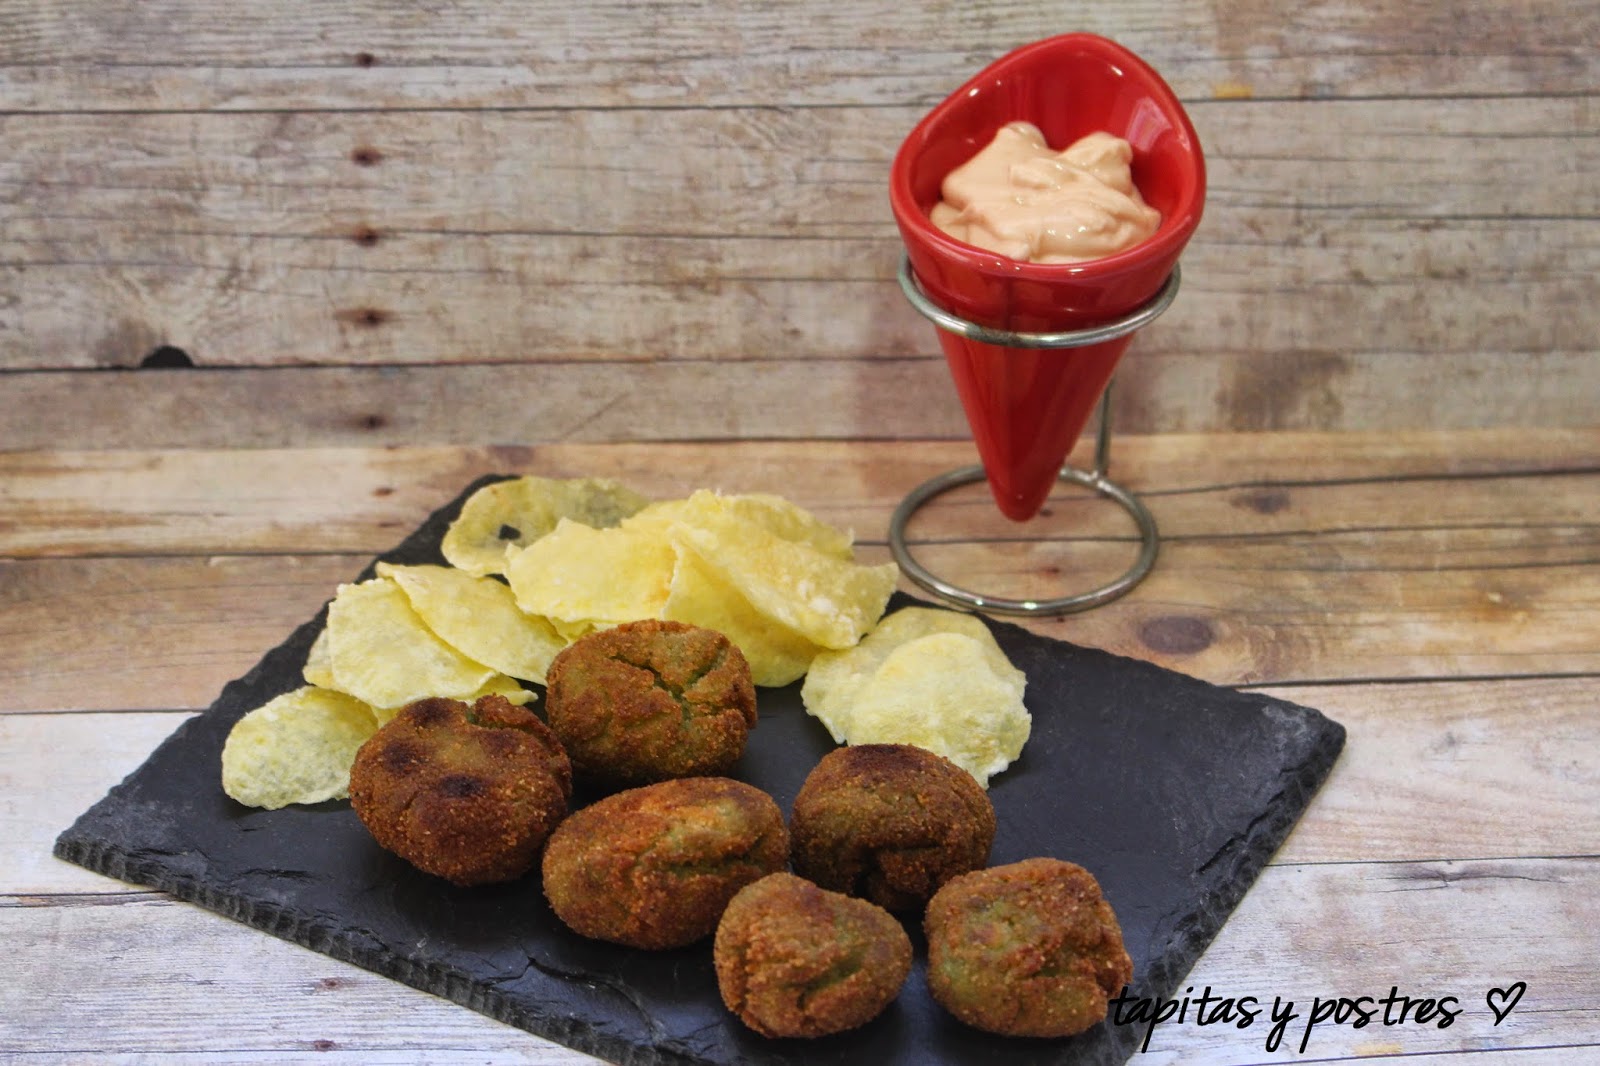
<point x="889" y="823"/>
<point x="1027" y="949"/>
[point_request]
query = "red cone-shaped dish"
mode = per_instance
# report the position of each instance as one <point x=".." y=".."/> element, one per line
<point x="1027" y="407"/>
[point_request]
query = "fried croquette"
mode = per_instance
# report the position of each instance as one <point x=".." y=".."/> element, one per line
<point x="889" y="823"/>
<point x="1026" y="949"/>
<point x="653" y="867"/>
<point x="651" y="700"/>
<point x="793" y="959"/>
<point x="466" y="792"/>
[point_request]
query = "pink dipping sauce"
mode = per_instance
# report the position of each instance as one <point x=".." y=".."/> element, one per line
<point x="1023" y="200"/>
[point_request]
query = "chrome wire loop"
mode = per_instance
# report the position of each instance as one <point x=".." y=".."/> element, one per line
<point x="1096" y="479"/>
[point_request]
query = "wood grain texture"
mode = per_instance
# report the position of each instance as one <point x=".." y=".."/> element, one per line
<point x="301" y="55"/>
<point x="1361" y="265"/>
<point x="264" y="499"/>
<point x="1422" y="556"/>
<point x="803" y="399"/>
<point x="298" y="499"/>
<point x="1470" y="926"/>
<point x="1440" y="928"/>
<point x="270" y="239"/>
<point x="274" y="1001"/>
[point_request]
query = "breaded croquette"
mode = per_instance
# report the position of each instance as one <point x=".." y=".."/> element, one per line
<point x="889" y="823"/>
<point x="1026" y="949"/>
<point x="651" y="700"/>
<point x="468" y="793"/>
<point x="653" y="867"/>
<point x="796" y="960"/>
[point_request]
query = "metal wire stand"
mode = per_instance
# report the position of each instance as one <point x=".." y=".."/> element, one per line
<point x="1095" y="479"/>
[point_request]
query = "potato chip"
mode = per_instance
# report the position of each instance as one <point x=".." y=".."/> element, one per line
<point x="498" y="685"/>
<point x="479" y="617"/>
<point x="939" y="692"/>
<point x="929" y="677"/>
<point x="825" y="599"/>
<point x="906" y="625"/>
<point x="517" y="512"/>
<point x="296" y="748"/>
<point x="775" y="514"/>
<point x="319" y="662"/>
<point x="580" y="574"/>
<point x="570" y="631"/>
<point x="509" y="687"/>
<point x="383" y="654"/>
<point x="777" y="655"/>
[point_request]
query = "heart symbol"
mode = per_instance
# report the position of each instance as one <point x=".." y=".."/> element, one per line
<point x="1508" y="996"/>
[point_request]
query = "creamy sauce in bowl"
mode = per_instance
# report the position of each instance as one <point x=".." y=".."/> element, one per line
<point x="1021" y="199"/>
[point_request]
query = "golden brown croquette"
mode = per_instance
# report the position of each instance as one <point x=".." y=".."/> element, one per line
<point x="889" y="823"/>
<point x="468" y="793"/>
<point x="1026" y="949"/>
<point x="796" y="960"/>
<point x="654" y="866"/>
<point x="651" y="700"/>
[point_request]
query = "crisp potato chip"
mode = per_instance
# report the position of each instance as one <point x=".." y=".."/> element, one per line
<point x="904" y="626"/>
<point x="825" y="599"/>
<point x="296" y="748"/>
<point x="602" y="576"/>
<point x="319" y="662"/>
<point x="571" y="631"/>
<point x="479" y="617"/>
<point x="939" y="692"/>
<point x="384" y="655"/>
<point x="929" y="677"/>
<point x="518" y="512"/>
<point x="774" y="514"/>
<point x="777" y="655"/>
<point x="501" y="685"/>
<point x="498" y="685"/>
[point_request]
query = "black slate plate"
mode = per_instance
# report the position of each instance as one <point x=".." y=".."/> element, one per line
<point x="1172" y="791"/>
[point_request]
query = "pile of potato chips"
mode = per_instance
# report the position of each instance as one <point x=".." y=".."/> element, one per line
<point x="574" y="555"/>
<point x="928" y="677"/>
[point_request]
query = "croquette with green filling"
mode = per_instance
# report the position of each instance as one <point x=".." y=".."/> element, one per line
<point x="795" y="960"/>
<point x="654" y="866"/>
<point x="466" y="792"/>
<point x="650" y="700"/>
<point x="1026" y="949"/>
<point x="889" y="823"/>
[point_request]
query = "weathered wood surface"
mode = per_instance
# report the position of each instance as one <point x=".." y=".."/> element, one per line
<point x="1447" y="584"/>
<point x="574" y="226"/>
<point x="1274" y="568"/>
<point x="1428" y="928"/>
<point x="165" y="55"/>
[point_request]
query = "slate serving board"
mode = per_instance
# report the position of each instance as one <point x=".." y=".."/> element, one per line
<point x="1173" y="792"/>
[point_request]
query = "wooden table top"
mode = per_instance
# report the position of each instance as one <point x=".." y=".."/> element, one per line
<point x="277" y="280"/>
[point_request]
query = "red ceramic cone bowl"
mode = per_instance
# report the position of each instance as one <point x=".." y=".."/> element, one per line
<point x="1028" y="406"/>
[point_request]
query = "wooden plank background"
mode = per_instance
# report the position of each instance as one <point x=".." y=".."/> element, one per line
<point x="516" y="223"/>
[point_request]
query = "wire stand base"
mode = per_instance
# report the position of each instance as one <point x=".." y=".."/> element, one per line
<point x="1096" y="479"/>
<point x="1149" y="540"/>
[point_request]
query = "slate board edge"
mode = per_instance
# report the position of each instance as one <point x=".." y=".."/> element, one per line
<point x="1247" y="856"/>
<point x="1251" y="855"/>
<point x="79" y="844"/>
